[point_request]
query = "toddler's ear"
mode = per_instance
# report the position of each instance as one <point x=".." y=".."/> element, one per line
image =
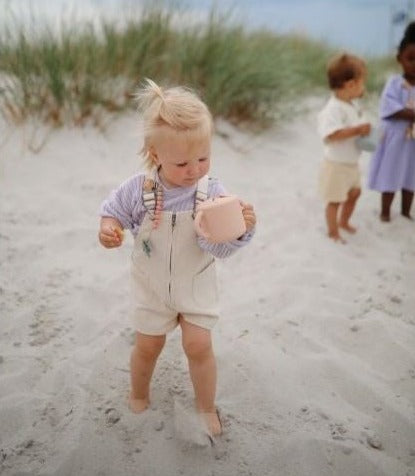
<point x="153" y="155"/>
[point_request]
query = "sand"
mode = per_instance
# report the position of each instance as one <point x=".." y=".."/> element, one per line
<point x="315" y="345"/>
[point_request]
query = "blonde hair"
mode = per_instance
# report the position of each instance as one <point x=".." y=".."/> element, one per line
<point x="177" y="109"/>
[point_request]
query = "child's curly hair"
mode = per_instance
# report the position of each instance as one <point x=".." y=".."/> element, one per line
<point x="408" y="37"/>
<point x="344" y="67"/>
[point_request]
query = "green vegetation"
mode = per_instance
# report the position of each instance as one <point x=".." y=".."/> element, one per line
<point x="82" y="73"/>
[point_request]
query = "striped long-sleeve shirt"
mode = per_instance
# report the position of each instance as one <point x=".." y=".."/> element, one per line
<point x="126" y="205"/>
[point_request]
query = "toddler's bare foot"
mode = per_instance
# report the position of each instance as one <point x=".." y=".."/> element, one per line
<point x="212" y="422"/>
<point x="138" y="405"/>
<point x="385" y="218"/>
<point x="336" y="237"/>
<point x="349" y="228"/>
<point x="407" y="215"/>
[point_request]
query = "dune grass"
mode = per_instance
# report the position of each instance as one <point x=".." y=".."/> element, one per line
<point x="81" y="73"/>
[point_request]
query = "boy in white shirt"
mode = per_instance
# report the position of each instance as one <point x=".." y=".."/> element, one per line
<point x="340" y="123"/>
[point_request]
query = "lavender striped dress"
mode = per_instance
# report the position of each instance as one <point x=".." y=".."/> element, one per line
<point x="126" y="205"/>
<point x="392" y="166"/>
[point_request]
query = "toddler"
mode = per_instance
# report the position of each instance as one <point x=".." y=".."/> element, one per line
<point x="392" y="167"/>
<point x="340" y="123"/>
<point x="173" y="270"/>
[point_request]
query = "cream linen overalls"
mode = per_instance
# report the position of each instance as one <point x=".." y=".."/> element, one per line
<point x="171" y="274"/>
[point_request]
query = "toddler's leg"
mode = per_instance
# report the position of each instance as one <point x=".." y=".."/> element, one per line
<point x="347" y="210"/>
<point x="331" y="219"/>
<point x="407" y="197"/>
<point x="386" y="201"/>
<point x="143" y="360"/>
<point x="197" y="345"/>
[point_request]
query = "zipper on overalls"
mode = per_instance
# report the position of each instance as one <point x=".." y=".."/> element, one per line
<point x="173" y="224"/>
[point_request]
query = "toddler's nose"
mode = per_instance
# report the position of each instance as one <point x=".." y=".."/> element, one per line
<point x="192" y="170"/>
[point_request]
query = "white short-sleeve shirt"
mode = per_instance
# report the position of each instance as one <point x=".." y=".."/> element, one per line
<point x="336" y="115"/>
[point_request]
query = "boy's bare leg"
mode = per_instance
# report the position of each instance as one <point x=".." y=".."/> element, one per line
<point x="331" y="219"/>
<point x="143" y="360"/>
<point x="197" y="344"/>
<point x="386" y="202"/>
<point x="347" y="210"/>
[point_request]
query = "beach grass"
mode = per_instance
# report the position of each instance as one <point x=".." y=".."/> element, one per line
<point x="82" y="71"/>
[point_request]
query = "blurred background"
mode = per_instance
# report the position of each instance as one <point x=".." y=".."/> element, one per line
<point x="370" y="27"/>
<point x="72" y="61"/>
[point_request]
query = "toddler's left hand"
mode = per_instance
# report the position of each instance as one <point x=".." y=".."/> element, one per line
<point x="249" y="215"/>
<point x="364" y="129"/>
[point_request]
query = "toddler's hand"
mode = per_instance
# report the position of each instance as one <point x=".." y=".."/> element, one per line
<point x="110" y="236"/>
<point x="249" y="215"/>
<point x="364" y="129"/>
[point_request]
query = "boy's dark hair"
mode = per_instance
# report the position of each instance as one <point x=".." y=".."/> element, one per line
<point x="408" y="37"/>
<point x="343" y="68"/>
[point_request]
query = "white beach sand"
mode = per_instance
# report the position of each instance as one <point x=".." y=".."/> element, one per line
<point x="315" y="346"/>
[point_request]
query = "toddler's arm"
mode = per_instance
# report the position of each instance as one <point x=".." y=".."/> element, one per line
<point x="223" y="250"/>
<point x="406" y="114"/>
<point x="393" y="103"/>
<point x="124" y="206"/>
<point x="111" y="232"/>
<point x="348" y="132"/>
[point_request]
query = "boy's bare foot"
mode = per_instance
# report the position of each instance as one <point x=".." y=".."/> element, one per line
<point x="349" y="228"/>
<point x="385" y="218"/>
<point x="336" y="237"/>
<point x="408" y="216"/>
<point x="138" y="405"/>
<point x="212" y="422"/>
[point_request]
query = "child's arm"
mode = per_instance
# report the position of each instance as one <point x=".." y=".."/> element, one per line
<point x="348" y="132"/>
<point x="223" y="250"/>
<point x="406" y="114"/>
<point x="121" y="210"/>
<point x="393" y="104"/>
<point x="111" y="232"/>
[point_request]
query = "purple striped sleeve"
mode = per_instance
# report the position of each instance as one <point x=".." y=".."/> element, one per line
<point x="124" y="203"/>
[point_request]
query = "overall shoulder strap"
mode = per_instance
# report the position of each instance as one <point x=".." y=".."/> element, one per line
<point x="202" y="190"/>
<point x="149" y="191"/>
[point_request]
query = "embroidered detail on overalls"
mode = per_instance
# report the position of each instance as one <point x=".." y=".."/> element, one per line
<point x="146" y="243"/>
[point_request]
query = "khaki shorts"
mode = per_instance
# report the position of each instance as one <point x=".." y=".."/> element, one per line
<point x="337" y="179"/>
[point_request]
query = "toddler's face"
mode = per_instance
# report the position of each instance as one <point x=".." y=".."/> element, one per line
<point x="182" y="162"/>
<point x="356" y="87"/>
<point x="407" y="61"/>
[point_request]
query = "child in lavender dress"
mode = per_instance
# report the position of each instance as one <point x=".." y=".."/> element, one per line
<point x="173" y="270"/>
<point x="392" y="167"/>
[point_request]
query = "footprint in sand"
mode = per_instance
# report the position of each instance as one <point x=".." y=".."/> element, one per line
<point x="112" y="416"/>
<point x="44" y="327"/>
<point x="338" y="431"/>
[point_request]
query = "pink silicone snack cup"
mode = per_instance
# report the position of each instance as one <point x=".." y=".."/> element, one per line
<point x="220" y="219"/>
<point x="200" y="229"/>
